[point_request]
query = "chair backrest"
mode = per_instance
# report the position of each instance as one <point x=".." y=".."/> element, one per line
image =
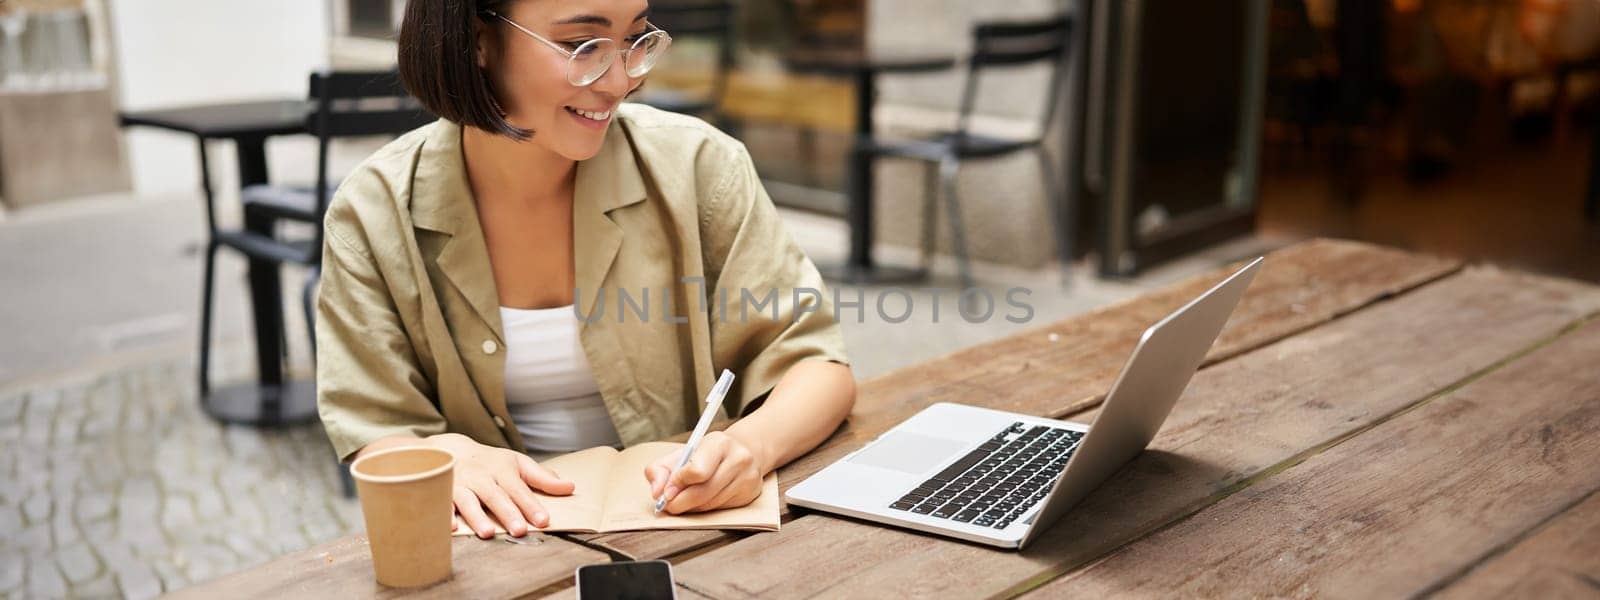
<point x="1015" y="44"/>
<point x="356" y="103"/>
<point x="708" y="19"/>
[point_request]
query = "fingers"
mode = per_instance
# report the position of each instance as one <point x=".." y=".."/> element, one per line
<point x="500" y="505"/>
<point x="471" y="511"/>
<point x="701" y="466"/>
<point x="657" y="476"/>
<point x="696" y="471"/>
<point x="734" y="477"/>
<point x="526" y="502"/>
<point x="542" y="478"/>
<point x="742" y="491"/>
<point x="657" y="472"/>
<point x="698" y="497"/>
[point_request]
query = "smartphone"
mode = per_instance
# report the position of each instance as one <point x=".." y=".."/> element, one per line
<point x="626" y="580"/>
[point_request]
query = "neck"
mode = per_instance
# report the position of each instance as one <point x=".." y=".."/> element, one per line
<point x="501" y="169"/>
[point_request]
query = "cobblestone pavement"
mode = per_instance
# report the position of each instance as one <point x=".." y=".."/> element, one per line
<point x="116" y="484"/>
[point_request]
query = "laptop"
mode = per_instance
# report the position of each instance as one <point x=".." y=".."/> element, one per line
<point x="1000" y="478"/>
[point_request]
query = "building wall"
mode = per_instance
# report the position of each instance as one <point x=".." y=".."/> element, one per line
<point x="175" y="52"/>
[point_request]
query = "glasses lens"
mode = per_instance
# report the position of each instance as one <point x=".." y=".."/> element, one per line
<point x="590" y="61"/>
<point x="646" y="51"/>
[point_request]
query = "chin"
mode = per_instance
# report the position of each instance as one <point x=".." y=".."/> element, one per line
<point x="580" y="150"/>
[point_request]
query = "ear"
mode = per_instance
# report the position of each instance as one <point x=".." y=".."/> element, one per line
<point x="483" y="43"/>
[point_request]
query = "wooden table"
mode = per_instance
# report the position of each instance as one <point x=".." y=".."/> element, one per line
<point x="1370" y="423"/>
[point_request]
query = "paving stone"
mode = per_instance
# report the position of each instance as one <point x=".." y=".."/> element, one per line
<point x="103" y="529"/>
<point x="140" y="499"/>
<point x="321" y="530"/>
<point x="246" y="548"/>
<point x="208" y="504"/>
<point x="62" y="525"/>
<point x="10" y="522"/>
<point x="11" y="408"/>
<point x="146" y="536"/>
<point x="32" y="478"/>
<point x="134" y="578"/>
<point x="114" y="473"/>
<point x="107" y="467"/>
<point x="96" y="428"/>
<point x="66" y="429"/>
<point x="11" y="570"/>
<point x="93" y="507"/>
<point x="35" y="536"/>
<point x="142" y="587"/>
<point x="11" y="433"/>
<point x="44" y="581"/>
<point x="37" y="507"/>
<point x="38" y="418"/>
<point x="208" y="560"/>
<point x="172" y="576"/>
<point x="104" y="586"/>
<point x="78" y="563"/>
<point x="177" y="513"/>
<point x="242" y="443"/>
<point x="135" y="419"/>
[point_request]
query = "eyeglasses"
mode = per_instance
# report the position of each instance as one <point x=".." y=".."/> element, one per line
<point x="590" y="60"/>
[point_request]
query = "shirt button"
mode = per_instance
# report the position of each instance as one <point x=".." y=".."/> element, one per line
<point x="489" y="347"/>
<point x="499" y="422"/>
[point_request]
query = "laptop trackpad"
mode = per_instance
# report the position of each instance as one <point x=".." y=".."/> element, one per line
<point x="908" y="452"/>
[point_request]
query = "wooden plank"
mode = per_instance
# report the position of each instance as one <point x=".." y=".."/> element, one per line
<point x="1239" y="421"/>
<point x="1559" y="560"/>
<point x="342" y="568"/>
<point x="1400" y="508"/>
<point x="1067" y="366"/>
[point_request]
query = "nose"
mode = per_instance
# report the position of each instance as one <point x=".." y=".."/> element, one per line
<point x="614" y="83"/>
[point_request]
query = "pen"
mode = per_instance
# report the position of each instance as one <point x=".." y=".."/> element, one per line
<point x="713" y="403"/>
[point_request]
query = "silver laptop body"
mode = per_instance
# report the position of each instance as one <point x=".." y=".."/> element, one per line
<point x="999" y="478"/>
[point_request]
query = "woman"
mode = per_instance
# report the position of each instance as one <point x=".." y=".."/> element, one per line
<point x="474" y="268"/>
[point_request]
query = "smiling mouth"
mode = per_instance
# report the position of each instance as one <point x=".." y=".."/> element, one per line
<point x="590" y="115"/>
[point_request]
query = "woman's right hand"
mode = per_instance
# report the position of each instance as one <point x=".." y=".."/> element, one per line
<point x="502" y="480"/>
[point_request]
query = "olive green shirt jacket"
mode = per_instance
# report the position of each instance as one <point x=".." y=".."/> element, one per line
<point x="682" y="268"/>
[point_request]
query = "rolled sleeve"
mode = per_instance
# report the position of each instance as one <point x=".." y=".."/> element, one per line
<point x="369" y="384"/>
<point x="750" y="258"/>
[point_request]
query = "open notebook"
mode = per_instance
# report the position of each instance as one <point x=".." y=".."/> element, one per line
<point x="611" y="494"/>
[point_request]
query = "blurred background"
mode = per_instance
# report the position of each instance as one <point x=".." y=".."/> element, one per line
<point x="157" y="422"/>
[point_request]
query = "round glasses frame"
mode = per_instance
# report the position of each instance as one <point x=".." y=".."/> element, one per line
<point x="649" y="47"/>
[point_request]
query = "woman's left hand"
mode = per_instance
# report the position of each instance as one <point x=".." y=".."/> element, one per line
<point x="724" y="472"/>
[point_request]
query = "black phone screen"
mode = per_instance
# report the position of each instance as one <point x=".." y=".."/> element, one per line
<point x="626" y="580"/>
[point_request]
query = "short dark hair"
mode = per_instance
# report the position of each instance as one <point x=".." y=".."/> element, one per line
<point x="438" y="63"/>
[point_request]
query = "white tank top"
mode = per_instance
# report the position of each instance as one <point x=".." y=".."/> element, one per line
<point x="550" y="391"/>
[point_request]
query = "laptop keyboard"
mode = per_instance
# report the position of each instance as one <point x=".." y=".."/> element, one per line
<point x="999" y="481"/>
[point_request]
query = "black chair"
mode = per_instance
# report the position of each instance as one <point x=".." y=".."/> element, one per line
<point x="686" y="20"/>
<point x="995" y="45"/>
<point x="346" y="104"/>
<point x="1591" y="204"/>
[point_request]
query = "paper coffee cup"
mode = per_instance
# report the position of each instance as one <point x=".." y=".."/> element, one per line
<point x="405" y="500"/>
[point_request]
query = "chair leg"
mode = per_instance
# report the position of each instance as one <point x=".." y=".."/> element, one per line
<point x="930" y="213"/>
<point x="808" y="150"/>
<point x="206" y="285"/>
<point x="347" y="484"/>
<point x="1591" y="206"/>
<point x="308" y="303"/>
<point x="1060" y="212"/>
<point x="947" y="177"/>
